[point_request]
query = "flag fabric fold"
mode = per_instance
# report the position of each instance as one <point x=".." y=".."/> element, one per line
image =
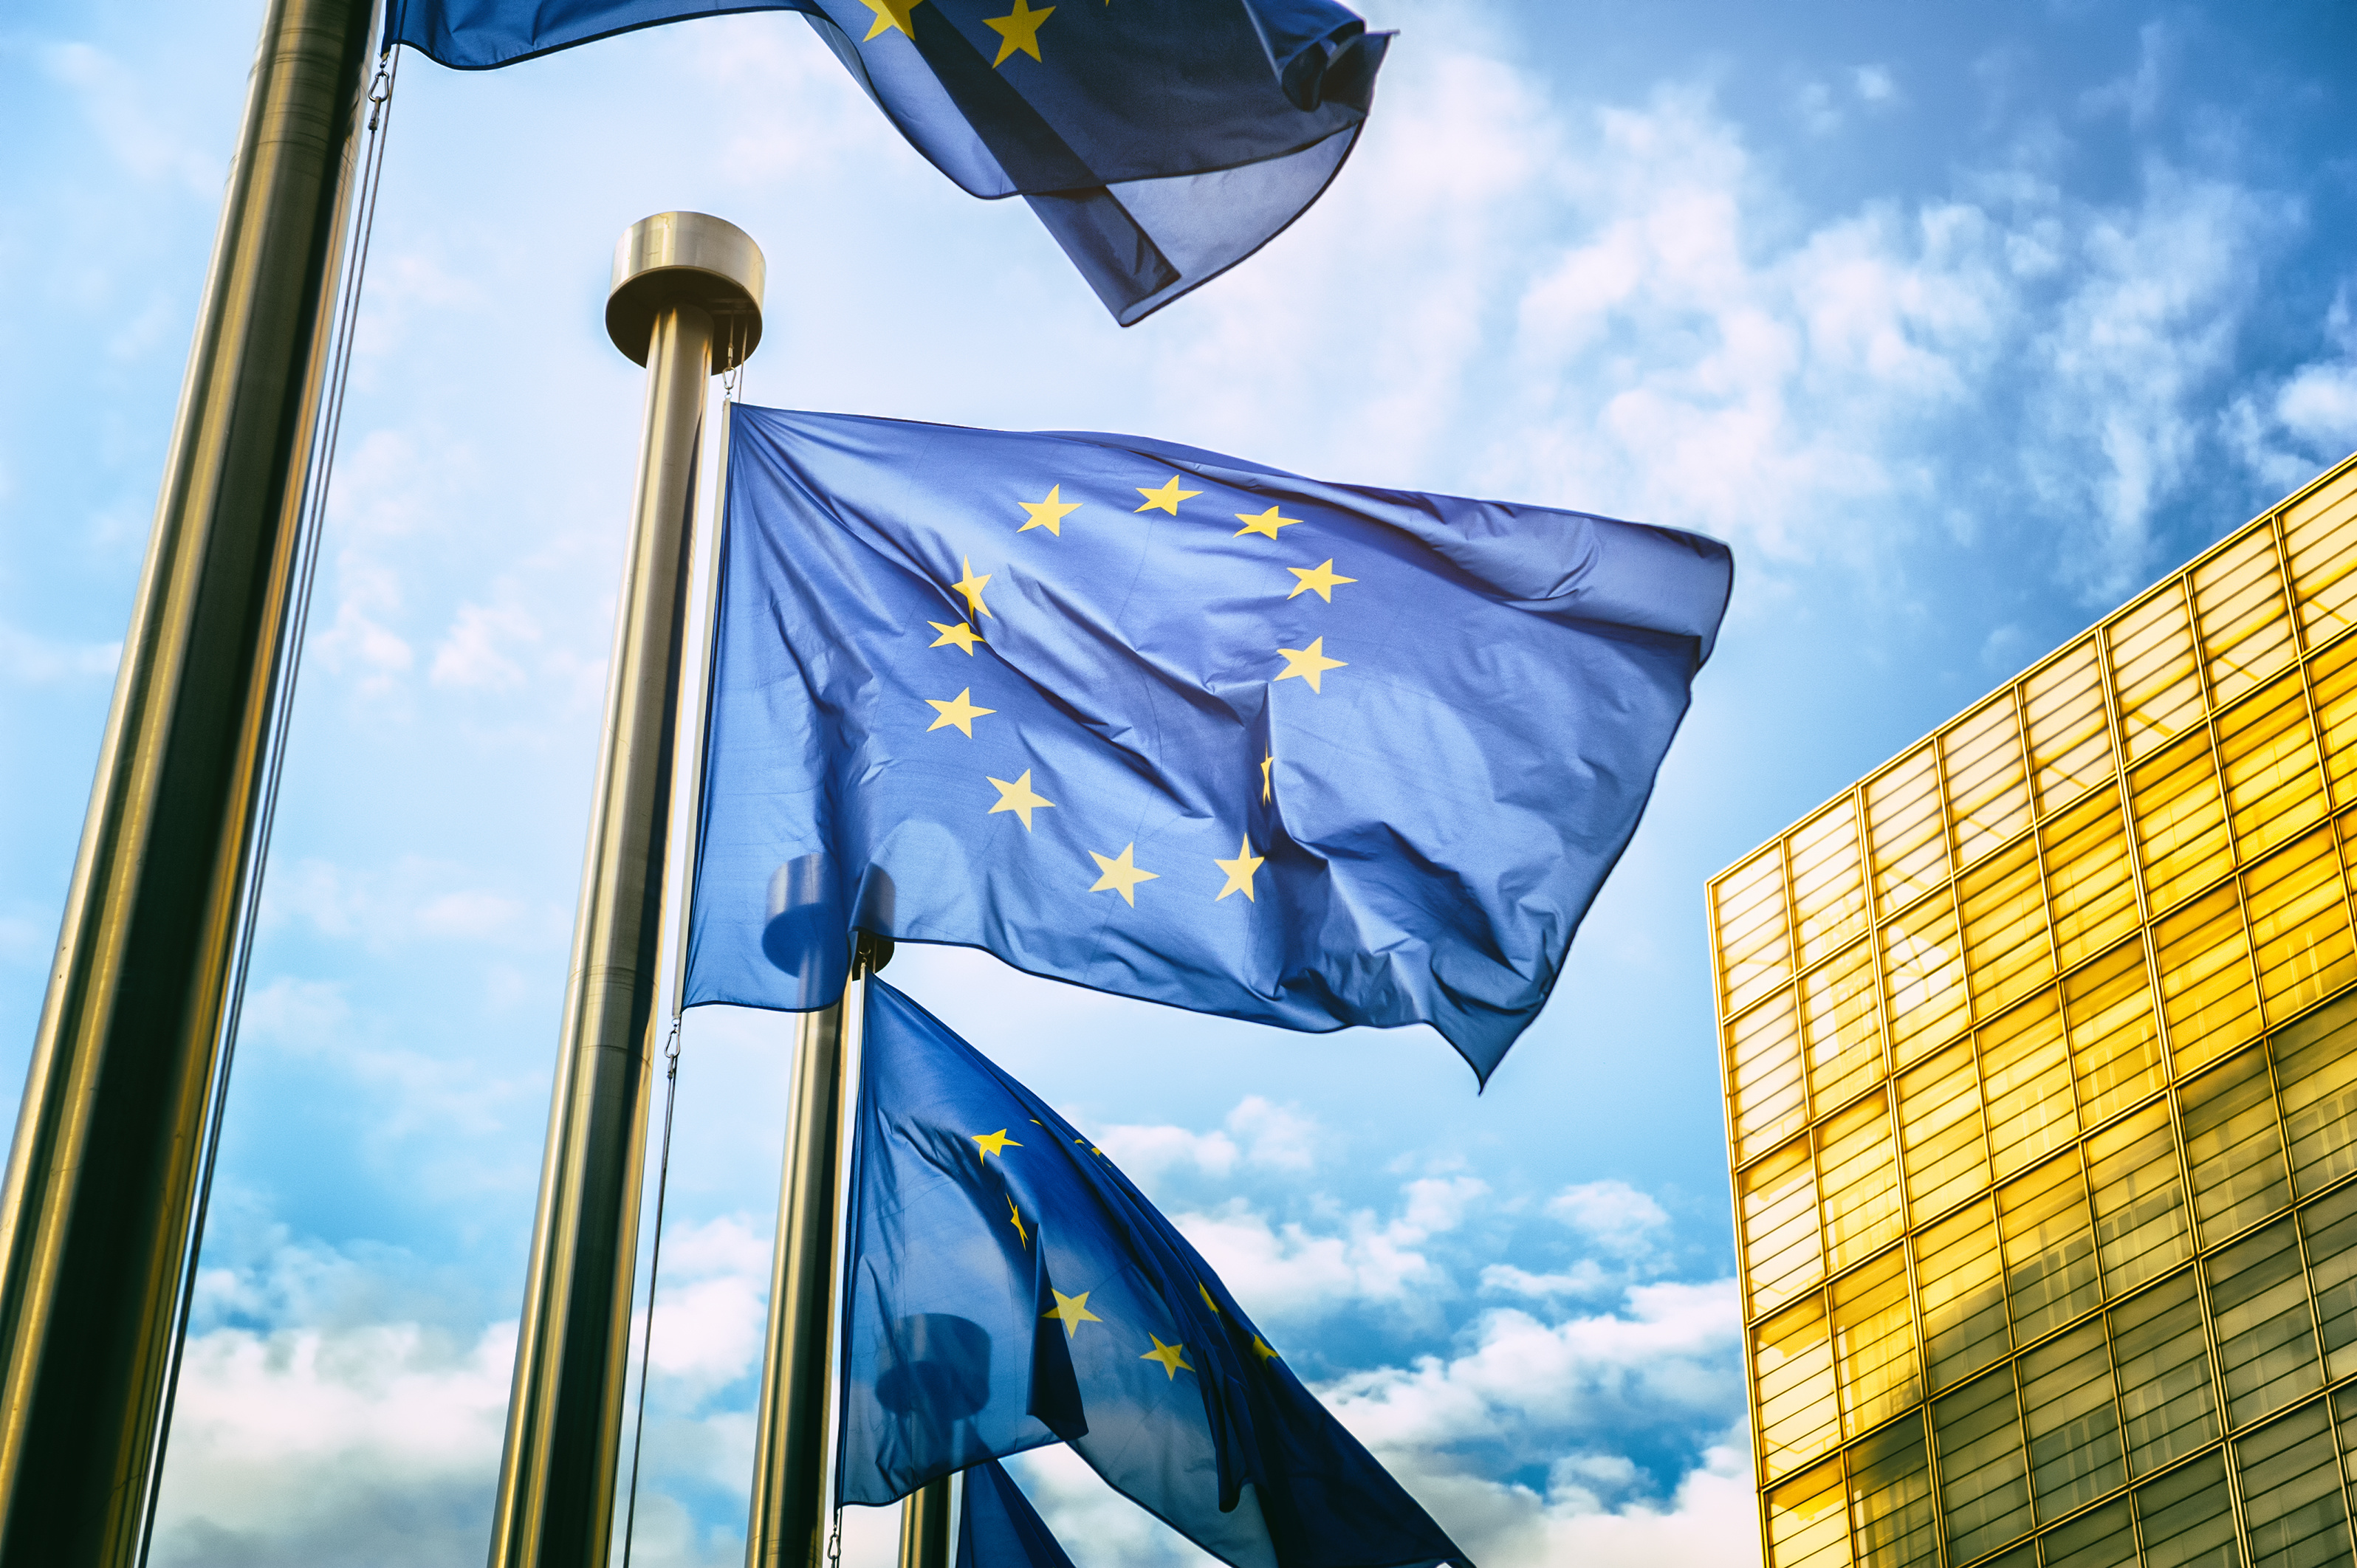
<point x="998" y="1527"/>
<point x="1160" y="143"/>
<point x="1007" y="1287"/>
<point x="1173" y="725"/>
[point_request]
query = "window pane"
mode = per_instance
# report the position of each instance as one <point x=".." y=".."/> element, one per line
<point x="2258" y="1306"/>
<point x="1987" y="796"/>
<point x="2074" y="1431"/>
<point x="2205" y="980"/>
<point x="2180" y="821"/>
<point x="2232" y="1147"/>
<point x="1983" y="1486"/>
<point x="2006" y="955"/>
<point x="2152" y="667"/>
<point x="1828" y="880"/>
<point x="2291" y="1492"/>
<point x="1910" y="843"/>
<point x="2103" y="1539"/>
<point x="1860" y="1179"/>
<point x="1844" y="1028"/>
<point x="2140" y="1228"/>
<point x="2273" y="788"/>
<point x="1764" y="1048"/>
<point x="1890" y="1499"/>
<point x="2332" y="684"/>
<point x="2167" y="1405"/>
<point x="2320" y="540"/>
<point x="2299" y="923"/>
<point x="1793" y="1360"/>
<point x="1940" y="1116"/>
<point x="1874" y="1343"/>
<point x="2114" y="1043"/>
<point x="2070" y="739"/>
<point x="2088" y="880"/>
<point x="1806" y="1522"/>
<point x="1958" y="1272"/>
<point x="2049" y="1247"/>
<point x="2245" y="629"/>
<point x="1755" y="948"/>
<point x="1781" y="1253"/>
<point x="2316" y="1077"/>
<point x="1924" y="977"/>
<point x="2186" y="1517"/>
<point x="2026" y="1084"/>
<point x="2328" y="1225"/>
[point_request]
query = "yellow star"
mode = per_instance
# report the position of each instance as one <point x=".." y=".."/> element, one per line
<point x="971" y="586"/>
<point x="890" y="14"/>
<point x="1120" y="875"/>
<point x="1260" y="1348"/>
<point x="955" y="634"/>
<point x="1015" y="1215"/>
<point x="1166" y="498"/>
<point x="1172" y="1357"/>
<point x="1267" y="524"/>
<point x="1206" y="1291"/>
<point x="1050" y="513"/>
<point x="1267" y="762"/>
<point x="996" y="1142"/>
<point x="1310" y="662"/>
<point x="1240" y="870"/>
<point x="1017" y="798"/>
<point x="1072" y="1310"/>
<point x="1324" y="579"/>
<point x="959" y="712"/>
<point x="1018" y="29"/>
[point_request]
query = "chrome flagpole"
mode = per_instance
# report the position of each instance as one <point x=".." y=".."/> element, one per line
<point x="95" y="1218"/>
<point x="687" y="303"/>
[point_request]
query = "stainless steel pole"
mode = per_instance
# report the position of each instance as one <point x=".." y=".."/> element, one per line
<point x="686" y="303"/>
<point x="95" y="1216"/>
<point x="925" y="1526"/>
<point x="788" y="1508"/>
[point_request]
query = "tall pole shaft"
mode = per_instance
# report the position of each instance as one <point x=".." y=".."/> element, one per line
<point x="556" y="1504"/>
<point x="95" y="1215"/>
<point x="925" y="1526"/>
<point x="788" y="1508"/>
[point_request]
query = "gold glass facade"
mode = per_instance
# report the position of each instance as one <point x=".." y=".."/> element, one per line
<point x="2040" y="1057"/>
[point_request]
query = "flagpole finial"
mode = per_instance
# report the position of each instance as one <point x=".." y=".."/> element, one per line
<point x="687" y="258"/>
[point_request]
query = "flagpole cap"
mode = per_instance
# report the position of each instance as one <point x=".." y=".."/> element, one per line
<point x="687" y="258"/>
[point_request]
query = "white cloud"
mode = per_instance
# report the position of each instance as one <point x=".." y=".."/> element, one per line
<point x="1613" y="1214"/>
<point x="1256" y="1133"/>
<point x="1293" y="1270"/>
<point x="475" y="651"/>
<point x="30" y="660"/>
<point x="119" y="109"/>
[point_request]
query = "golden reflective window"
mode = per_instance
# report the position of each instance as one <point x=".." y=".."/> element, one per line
<point x="1763" y="1053"/>
<point x="1755" y="941"/>
<point x="2320" y="543"/>
<point x="1904" y="825"/>
<point x="2070" y="735"/>
<point x="1924" y="977"/>
<point x="2298" y="909"/>
<point x="2246" y="627"/>
<point x="1960" y="1275"/>
<point x="2207" y="994"/>
<point x="1874" y="1343"/>
<point x="2274" y="790"/>
<point x="1792" y="1358"/>
<point x="2180" y="821"/>
<point x="2026" y="1085"/>
<point x="1828" y="881"/>
<point x="2090" y="885"/>
<point x="1777" y="1209"/>
<point x="2007" y="955"/>
<point x="2332" y="687"/>
<point x="1989" y="790"/>
<point x="1942" y="1130"/>
<point x="2153" y="671"/>
<point x="1806" y="1521"/>
<point x="2115" y="1040"/>
<point x="1857" y="1174"/>
<point x="1844" y="1020"/>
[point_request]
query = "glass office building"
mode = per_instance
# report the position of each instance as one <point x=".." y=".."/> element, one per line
<point x="2040" y="1056"/>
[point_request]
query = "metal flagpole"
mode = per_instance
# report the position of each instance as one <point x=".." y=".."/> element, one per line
<point x="925" y="1526"/>
<point x="686" y="303"/>
<point x="94" y="1219"/>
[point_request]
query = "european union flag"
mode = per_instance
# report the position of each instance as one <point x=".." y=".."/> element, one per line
<point x="1174" y="726"/>
<point x="1009" y="1287"/>
<point x="998" y="1527"/>
<point x="1161" y="143"/>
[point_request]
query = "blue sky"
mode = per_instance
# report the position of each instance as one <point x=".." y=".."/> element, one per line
<point x="1958" y="324"/>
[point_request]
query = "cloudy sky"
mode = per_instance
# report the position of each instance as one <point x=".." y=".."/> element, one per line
<point x="1959" y="323"/>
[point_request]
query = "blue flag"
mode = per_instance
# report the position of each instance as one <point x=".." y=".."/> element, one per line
<point x="1160" y="143"/>
<point x="1174" y="726"/>
<point x="1009" y="1288"/>
<point x="998" y="1527"/>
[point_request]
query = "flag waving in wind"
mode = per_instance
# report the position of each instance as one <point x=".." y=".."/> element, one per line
<point x="1173" y="725"/>
<point x="1009" y="1288"/>
<point x="1160" y="142"/>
